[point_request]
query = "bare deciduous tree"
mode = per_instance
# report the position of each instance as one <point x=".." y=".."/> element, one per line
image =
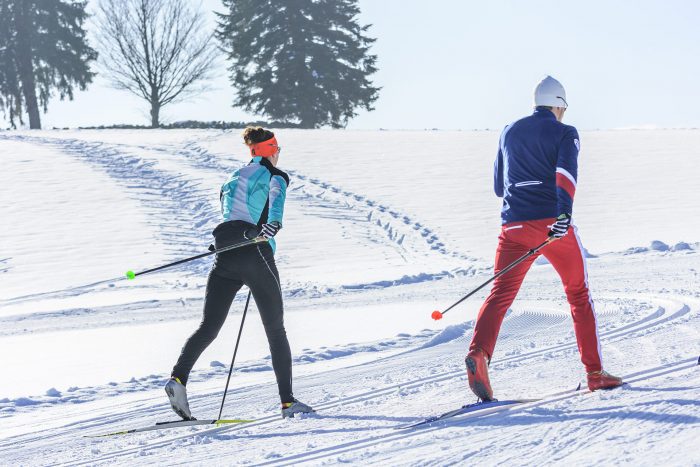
<point x="159" y="50"/>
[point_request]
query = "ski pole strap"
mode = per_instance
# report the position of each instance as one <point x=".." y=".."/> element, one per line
<point x="502" y="271"/>
<point x="132" y="275"/>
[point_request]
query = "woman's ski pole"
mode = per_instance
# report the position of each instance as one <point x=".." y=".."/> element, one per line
<point x="235" y="351"/>
<point x="131" y="274"/>
<point x="436" y="315"/>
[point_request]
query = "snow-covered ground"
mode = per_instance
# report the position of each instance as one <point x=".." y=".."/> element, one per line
<point x="382" y="227"/>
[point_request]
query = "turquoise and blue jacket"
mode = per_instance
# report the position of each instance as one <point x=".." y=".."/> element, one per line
<point x="255" y="194"/>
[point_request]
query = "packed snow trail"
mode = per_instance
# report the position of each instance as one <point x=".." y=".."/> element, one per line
<point x="411" y="388"/>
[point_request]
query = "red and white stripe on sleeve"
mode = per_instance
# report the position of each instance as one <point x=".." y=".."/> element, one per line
<point x="566" y="182"/>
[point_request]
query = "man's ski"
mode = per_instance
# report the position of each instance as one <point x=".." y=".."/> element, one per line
<point x="476" y="409"/>
<point x="479" y="409"/>
<point x="172" y="424"/>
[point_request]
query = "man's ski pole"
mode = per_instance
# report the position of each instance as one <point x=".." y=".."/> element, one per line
<point x="235" y="351"/>
<point x="436" y="315"/>
<point x="131" y="274"/>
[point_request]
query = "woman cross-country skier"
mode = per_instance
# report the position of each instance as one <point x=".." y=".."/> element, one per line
<point x="252" y="204"/>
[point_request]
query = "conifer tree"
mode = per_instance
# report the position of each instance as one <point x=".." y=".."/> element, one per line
<point x="305" y="61"/>
<point x="43" y="50"/>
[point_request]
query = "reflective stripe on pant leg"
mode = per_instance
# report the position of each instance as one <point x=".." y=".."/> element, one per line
<point x="274" y="276"/>
<point x="590" y="298"/>
<point x="568" y="259"/>
<point x="268" y="297"/>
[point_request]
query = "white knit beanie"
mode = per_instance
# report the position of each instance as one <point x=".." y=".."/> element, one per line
<point x="549" y="92"/>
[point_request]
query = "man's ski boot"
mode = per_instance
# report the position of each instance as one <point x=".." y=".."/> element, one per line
<point x="291" y="408"/>
<point x="478" y="373"/>
<point x="178" y="398"/>
<point x="602" y="380"/>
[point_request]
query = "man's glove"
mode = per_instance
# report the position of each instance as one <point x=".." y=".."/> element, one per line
<point x="270" y="230"/>
<point x="561" y="226"/>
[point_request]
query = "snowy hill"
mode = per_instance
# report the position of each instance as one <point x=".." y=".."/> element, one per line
<point x="381" y="228"/>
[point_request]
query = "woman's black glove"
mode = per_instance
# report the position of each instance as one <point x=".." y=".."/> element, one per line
<point x="270" y="230"/>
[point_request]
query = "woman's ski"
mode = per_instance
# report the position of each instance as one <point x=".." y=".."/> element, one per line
<point x="172" y="424"/>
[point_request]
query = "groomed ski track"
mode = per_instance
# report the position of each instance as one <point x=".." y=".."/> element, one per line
<point x="657" y="319"/>
<point x="648" y="311"/>
<point x="374" y="431"/>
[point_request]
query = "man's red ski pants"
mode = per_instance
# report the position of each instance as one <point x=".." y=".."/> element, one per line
<point x="566" y="255"/>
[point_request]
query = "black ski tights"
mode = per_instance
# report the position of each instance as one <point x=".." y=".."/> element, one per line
<point x="255" y="267"/>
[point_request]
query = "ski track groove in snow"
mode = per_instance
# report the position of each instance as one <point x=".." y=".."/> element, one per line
<point x="457" y="421"/>
<point x="637" y="376"/>
<point x="515" y="323"/>
<point x="658" y="317"/>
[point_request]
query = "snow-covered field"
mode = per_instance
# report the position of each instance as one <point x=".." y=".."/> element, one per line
<point x="382" y="227"/>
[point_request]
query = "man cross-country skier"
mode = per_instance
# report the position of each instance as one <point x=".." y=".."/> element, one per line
<point x="535" y="174"/>
<point x="252" y="204"/>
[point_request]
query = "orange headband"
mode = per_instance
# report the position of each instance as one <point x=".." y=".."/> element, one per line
<point x="266" y="148"/>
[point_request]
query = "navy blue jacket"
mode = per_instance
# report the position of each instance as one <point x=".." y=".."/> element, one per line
<point x="536" y="168"/>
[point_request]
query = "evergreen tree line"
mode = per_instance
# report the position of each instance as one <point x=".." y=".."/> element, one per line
<point x="304" y="62"/>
